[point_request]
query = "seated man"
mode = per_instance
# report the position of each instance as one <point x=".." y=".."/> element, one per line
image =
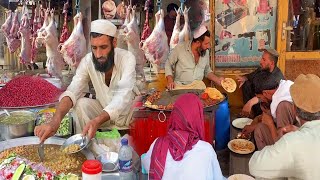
<point x="296" y="154"/>
<point x="182" y="153"/>
<point x="278" y="111"/>
<point x="266" y="77"/>
<point x="189" y="62"/>
<point x="112" y="74"/>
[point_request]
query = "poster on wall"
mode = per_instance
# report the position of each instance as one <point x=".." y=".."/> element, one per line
<point x="242" y="29"/>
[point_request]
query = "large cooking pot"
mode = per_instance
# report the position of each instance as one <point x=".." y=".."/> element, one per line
<point x="15" y="130"/>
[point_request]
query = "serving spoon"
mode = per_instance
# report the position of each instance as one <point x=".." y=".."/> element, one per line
<point x="7" y="112"/>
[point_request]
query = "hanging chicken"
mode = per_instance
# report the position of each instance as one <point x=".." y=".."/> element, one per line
<point x="155" y="47"/>
<point x="132" y="37"/>
<point x="74" y="49"/>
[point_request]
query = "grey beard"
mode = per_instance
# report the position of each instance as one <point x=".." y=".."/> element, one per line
<point x="106" y="66"/>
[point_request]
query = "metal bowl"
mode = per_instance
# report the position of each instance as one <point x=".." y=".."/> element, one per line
<point x="109" y="161"/>
<point x="78" y="139"/>
<point x="11" y="131"/>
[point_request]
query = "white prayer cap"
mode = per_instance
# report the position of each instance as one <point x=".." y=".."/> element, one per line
<point x="103" y="26"/>
<point x="199" y="31"/>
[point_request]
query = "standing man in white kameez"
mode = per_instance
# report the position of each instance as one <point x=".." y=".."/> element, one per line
<point x="112" y="73"/>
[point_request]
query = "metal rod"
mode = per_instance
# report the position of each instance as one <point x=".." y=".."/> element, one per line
<point x="99" y="16"/>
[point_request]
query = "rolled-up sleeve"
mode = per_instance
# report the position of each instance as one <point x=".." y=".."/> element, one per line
<point x="273" y="161"/>
<point x="79" y="84"/>
<point x="123" y="91"/>
<point x="173" y="58"/>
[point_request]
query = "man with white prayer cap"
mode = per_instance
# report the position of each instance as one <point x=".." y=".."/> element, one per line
<point x="189" y="62"/>
<point x="112" y="73"/>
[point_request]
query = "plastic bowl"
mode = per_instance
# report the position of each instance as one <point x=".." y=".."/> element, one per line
<point x="109" y="161"/>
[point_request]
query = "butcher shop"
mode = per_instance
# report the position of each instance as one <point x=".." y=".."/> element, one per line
<point x="159" y="89"/>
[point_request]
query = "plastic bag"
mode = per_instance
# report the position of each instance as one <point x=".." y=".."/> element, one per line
<point x="109" y="140"/>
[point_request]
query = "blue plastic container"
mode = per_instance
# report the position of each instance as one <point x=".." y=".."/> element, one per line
<point x="222" y="119"/>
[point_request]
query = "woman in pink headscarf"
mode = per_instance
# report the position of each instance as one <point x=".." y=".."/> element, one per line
<point x="182" y="153"/>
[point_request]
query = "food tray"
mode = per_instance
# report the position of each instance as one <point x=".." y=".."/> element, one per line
<point x="166" y="99"/>
<point x="31" y="107"/>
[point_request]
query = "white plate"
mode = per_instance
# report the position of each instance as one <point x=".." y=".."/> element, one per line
<point x="241" y="122"/>
<point x="248" y="150"/>
<point x="240" y="177"/>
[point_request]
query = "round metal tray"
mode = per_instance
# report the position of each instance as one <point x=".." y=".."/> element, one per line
<point x="35" y="140"/>
<point x="31" y="107"/>
<point x="168" y="97"/>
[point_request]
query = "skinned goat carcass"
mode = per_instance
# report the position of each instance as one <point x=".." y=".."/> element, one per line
<point x="74" y="49"/>
<point x="132" y="38"/>
<point x="121" y="10"/>
<point x="49" y="36"/>
<point x="155" y="47"/>
<point x="36" y="27"/>
<point x="146" y="28"/>
<point x="178" y="35"/>
<point x="26" y="42"/>
<point x="176" y="31"/>
<point x="41" y="31"/>
<point x="13" y="39"/>
<point x="121" y="42"/>
<point x="65" y="32"/>
<point x="6" y="26"/>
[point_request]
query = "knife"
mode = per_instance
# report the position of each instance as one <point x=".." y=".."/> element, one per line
<point x="41" y="151"/>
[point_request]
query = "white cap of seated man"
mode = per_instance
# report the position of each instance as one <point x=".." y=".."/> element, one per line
<point x="103" y="26"/>
<point x="199" y="31"/>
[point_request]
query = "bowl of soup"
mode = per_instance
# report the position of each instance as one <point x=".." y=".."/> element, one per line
<point x="18" y="124"/>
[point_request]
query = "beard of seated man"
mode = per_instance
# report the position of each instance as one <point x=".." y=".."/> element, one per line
<point x="202" y="52"/>
<point x="108" y="61"/>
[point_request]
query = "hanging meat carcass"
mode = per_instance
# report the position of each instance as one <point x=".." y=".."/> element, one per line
<point x="36" y="27"/>
<point x="26" y="41"/>
<point x="6" y="26"/>
<point x="65" y="32"/>
<point x="13" y="39"/>
<point x="121" y="42"/>
<point x="176" y="31"/>
<point x="155" y="47"/>
<point x="179" y="36"/>
<point x="74" y="49"/>
<point x="146" y="28"/>
<point x="109" y="9"/>
<point x="40" y="32"/>
<point x="121" y="10"/>
<point x="132" y="38"/>
<point x="185" y="33"/>
<point x="49" y="36"/>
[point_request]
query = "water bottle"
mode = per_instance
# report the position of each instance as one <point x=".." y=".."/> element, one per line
<point x="125" y="161"/>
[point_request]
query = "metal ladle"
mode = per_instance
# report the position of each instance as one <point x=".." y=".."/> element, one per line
<point x="7" y="112"/>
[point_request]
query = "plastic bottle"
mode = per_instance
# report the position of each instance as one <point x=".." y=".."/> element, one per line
<point x="91" y="170"/>
<point x="125" y="161"/>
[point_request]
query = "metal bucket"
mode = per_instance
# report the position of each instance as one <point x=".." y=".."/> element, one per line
<point x="11" y="131"/>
